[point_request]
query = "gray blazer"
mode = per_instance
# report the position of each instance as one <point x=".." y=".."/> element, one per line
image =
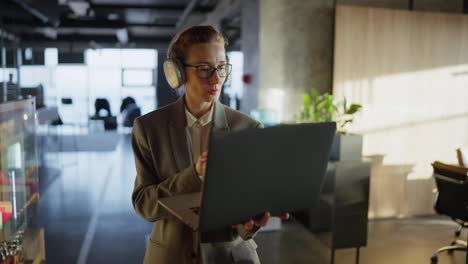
<point x="164" y="168"/>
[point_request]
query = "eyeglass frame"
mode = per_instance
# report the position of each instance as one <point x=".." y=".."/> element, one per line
<point x="214" y="69"/>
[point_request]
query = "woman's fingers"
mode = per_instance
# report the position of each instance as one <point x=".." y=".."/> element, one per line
<point x="249" y="224"/>
<point x="200" y="166"/>
<point x="264" y="220"/>
<point x="284" y="216"/>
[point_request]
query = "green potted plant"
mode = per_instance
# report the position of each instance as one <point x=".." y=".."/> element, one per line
<point x="325" y="108"/>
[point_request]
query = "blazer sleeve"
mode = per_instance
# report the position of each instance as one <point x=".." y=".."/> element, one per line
<point x="148" y="186"/>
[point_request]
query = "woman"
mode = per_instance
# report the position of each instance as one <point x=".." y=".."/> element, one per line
<point x="170" y="149"/>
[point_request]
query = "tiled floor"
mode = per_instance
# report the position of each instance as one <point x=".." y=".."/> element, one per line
<point x="389" y="241"/>
<point x="88" y="218"/>
<point x="87" y="211"/>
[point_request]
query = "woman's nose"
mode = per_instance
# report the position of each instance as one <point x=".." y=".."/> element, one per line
<point x="214" y="79"/>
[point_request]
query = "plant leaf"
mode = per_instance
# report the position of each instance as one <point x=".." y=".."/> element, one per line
<point x="305" y="99"/>
<point x="353" y="109"/>
<point x="315" y="95"/>
<point x="345" y="107"/>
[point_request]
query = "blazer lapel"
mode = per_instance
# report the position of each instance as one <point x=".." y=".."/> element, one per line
<point x="220" y="122"/>
<point x="179" y="136"/>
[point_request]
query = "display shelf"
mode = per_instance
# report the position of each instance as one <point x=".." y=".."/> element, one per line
<point x="19" y="192"/>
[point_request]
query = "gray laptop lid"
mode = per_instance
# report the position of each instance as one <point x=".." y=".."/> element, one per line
<point x="278" y="169"/>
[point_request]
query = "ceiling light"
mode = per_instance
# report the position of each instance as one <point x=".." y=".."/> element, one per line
<point x="78" y="7"/>
<point x="122" y="35"/>
<point x="50" y="32"/>
<point x="28" y="54"/>
<point x="113" y="16"/>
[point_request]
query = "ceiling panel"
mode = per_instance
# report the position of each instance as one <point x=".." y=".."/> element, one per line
<point x="98" y="20"/>
<point x="142" y="2"/>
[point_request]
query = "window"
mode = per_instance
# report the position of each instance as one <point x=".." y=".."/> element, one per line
<point x="137" y="77"/>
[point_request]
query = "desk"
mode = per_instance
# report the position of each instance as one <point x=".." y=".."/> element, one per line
<point x="45" y="115"/>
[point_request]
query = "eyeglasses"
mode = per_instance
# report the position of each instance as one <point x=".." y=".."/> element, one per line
<point x="205" y="71"/>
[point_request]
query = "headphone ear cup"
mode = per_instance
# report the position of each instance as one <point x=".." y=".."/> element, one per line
<point x="174" y="72"/>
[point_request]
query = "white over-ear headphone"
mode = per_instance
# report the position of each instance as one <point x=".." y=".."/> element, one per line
<point x="174" y="72"/>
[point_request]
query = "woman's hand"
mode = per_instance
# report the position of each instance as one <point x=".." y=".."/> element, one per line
<point x="200" y="166"/>
<point x="252" y="224"/>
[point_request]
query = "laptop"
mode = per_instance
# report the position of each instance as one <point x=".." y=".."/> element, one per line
<point x="277" y="169"/>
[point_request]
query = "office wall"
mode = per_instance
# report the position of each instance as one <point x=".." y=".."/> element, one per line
<point x="288" y="47"/>
<point x="295" y="40"/>
<point x="410" y="71"/>
<point x="250" y="46"/>
<point x="421" y="5"/>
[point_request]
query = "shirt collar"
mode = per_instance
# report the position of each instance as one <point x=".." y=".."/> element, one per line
<point x="204" y="120"/>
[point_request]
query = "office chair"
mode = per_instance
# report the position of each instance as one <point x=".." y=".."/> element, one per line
<point x="452" y="200"/>
<point x="127" y="101"/>
<point x="101" y="104"/>
<point x="110" y="121"/>
<point x="131" y="112"/>
<point x="462" y="156"/>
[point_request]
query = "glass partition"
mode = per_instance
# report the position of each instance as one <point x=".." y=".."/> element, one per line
<point x="18" y="167"/>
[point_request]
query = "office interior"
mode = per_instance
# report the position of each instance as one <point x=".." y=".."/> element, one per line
<point x="76" y="73"/>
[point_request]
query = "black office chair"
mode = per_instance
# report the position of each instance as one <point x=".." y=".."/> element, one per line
<point x="101" y="104"/>
<point x="452" y="200"/>
<point x="126" y="102"/>
<point x="131" y="112"/>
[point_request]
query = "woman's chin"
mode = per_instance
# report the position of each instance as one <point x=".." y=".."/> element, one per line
<point x="211" y="98"/>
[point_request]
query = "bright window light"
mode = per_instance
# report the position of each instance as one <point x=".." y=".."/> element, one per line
<point x="137" y="77"/>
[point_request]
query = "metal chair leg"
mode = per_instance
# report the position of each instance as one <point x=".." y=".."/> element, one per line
<point x="447" y="248"/>
<point x="460" y="243"/>
<point x="458" y="231"/>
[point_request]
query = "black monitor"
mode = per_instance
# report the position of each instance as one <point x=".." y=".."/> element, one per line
<point x="71" y="57"/>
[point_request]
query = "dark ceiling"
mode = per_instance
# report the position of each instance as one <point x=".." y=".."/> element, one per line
<point x="77" y="24"/>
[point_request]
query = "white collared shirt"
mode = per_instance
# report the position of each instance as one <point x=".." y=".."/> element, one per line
<point x="199" y="132"/>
